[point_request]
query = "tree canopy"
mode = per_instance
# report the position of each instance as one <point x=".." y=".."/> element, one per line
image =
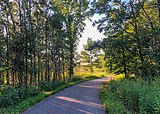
<point x="132" y="40"/>
<point x="38" y="39"/>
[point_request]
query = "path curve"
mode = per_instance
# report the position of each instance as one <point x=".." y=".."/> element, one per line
<point x="78" y="99"/>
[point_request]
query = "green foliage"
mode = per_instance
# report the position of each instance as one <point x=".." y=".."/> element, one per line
<point x="134" y="96"/>
<point x="90" y="56"/>
<point x="149" y="101"/>
<point x="41" y="36"/>
<point x="12" y="95"/>
<point x="132" y="42"/>
<point x="110" y="102"/>
<point x="84" y="72"/>
<point x="76" y="78"/>
<point x="32" y="100"/>
<point x="2" y="69"/>
<point x="27" y="92"/>
<point x="48" y="86"/>
<point x="9" y="96"/>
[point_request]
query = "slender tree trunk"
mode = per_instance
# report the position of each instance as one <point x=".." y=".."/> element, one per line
<point x="59" y="65"/>
<point x="39" y="47"/>
<point x="48" y="66"/>
<point x="63" y="66"/>
<point x="1" y="75"/>
<point x="71" y="48"/>
<point x="14" y="34"/>
<point x="41" y="67"/>
<point x="8" y="41"/>
<point x="34" y="57"/>
<point x="20" y="72"/>
<point x="26" y="44"/>
<point x="54" y="63"/>
<point x="38" y="62"/>
<point x="158" y="1"/>
<point x="71" y="63"/>
<point x="91" y="63"/>
<point x="31" y="41"/>
<point x="46" y="41"/>
<point x="124" y="63"/>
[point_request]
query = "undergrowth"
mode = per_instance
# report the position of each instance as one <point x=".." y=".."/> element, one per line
<point x="131" y="97"/>
<point x="14" y="100"/>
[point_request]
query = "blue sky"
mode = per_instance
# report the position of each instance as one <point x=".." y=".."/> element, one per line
<point x="91" y="32"/>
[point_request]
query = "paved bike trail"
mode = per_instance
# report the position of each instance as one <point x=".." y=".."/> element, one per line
<point x="78" y="99"/>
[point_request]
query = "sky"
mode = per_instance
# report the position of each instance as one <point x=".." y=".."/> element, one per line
<point x="90" y="32"/>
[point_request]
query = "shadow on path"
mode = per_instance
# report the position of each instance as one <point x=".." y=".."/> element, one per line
<point x="79" y="99"/>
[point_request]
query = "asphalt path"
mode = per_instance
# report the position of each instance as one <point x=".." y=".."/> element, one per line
<point x="78" y="99"/>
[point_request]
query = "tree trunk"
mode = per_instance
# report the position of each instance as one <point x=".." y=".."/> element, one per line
<point x="8" y="50"/>
<point x="26" y="45"/>
<point x="31" y="42"/>
<point x="124" y="63"/>
<point x="158" y="1"/>
<point x="71" y="63"/>
<point x="46" y="41"/>
<point x="19" y="61"/>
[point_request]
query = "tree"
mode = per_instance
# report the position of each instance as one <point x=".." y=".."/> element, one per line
<point x="90" y="54"/>
<point x="126" y="23"/>
<point x="38" y="39"/>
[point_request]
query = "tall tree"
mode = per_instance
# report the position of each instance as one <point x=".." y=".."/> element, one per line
<point x="131" y="19"/>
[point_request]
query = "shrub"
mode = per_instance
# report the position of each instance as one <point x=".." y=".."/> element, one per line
<point x="110" y="102"/>
<point x="76" y="78"/>
<point x="12" y="95"/>
<point x="24" y="92"/>
<point x="33" y="90"/>
<point x="9" y="96"/>
<point x="48" y="86"/>
<point x="128" y="93"/>
<point x="136" y="96"/>
<point x="149" y="101"/>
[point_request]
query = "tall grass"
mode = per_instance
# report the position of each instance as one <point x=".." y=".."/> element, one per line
<point x="131" y="97"/>
<point x="96" y="73"/>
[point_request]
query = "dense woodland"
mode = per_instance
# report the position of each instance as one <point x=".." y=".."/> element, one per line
<point x="38" y="49"/>
<point x="132" y="43"/>
<point x="132" y="47"/>
<point x="38" y="39"/>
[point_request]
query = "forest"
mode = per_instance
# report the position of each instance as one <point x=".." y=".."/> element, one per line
<point x="38" y="52"/>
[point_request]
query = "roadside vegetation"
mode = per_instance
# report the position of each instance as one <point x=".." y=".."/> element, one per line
<point x="38" y="56"/>
<point x="14" y="100"/>
<point x="132" y="48"/>
<point x="125" y="96"/>
<point x="38" y="41"/>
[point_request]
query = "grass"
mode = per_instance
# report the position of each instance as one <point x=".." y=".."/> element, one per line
<point x="25" y="104"/>
<point x="130" y="96"/>
<point x="97" y="73"/>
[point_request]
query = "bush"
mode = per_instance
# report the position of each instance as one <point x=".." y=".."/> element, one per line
<point x="22" y="92"/>
<point x="76" y="78"/>
<point x="128" y="93"/>
<point x="48" y="86"/>
<point x="149" y="101"/>
<point x="33" y="90"/>
<point x="135" y="96"/>
<point x="9" y="96"/>
<point x="110" y="102"/>
<point x="27" y="92"/>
